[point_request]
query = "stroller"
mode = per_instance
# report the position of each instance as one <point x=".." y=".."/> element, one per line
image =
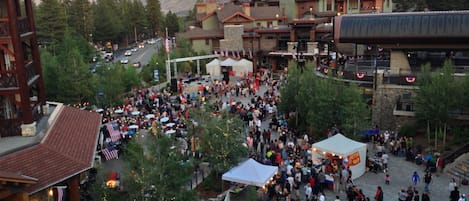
<point x="375" y="165"/>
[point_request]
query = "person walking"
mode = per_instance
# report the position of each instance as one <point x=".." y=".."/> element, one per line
<point x="416" y="196"/>
<point x="415" y="178"/>
<point x="454" y="195"/>
<point x="308" y="192"/>
<point x="427" y="179"/>
<point x="452" y="184"/>
<point x="425" y="196"/>
<point x="379" y="194"/>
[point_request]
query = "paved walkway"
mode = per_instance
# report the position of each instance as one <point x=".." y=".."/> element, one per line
<point x="400" y="172"/>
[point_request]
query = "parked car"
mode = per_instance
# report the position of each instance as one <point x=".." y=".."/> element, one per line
<point x="124" y="60"/>
<point x="128" y="53"/>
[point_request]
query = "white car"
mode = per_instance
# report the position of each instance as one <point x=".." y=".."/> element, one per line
<point x="124" y="60"/>
<point x="134" y="49"/>
<point x="128" y="53"/>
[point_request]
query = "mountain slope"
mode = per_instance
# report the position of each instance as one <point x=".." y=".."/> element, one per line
<point x="180" y="7"/>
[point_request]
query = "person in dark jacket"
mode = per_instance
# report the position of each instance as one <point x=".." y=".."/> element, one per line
<point x="454" y="195"/>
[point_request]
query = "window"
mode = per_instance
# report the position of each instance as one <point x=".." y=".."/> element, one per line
<point x="353" y="4"/>
<point x="207" y="42"/>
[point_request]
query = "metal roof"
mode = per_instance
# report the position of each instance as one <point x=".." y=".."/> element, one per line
<point x="449" y="27"/>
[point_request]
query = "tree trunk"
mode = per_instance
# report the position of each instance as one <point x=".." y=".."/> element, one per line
<point x="428" y="132"/>
<point x="444" y="137"/>
<point x="436" y="138"/>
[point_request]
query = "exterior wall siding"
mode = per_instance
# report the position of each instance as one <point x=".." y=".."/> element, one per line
<point x="211" y="23"/>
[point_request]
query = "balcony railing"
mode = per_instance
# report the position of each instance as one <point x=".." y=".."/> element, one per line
<point x="4" y="31"/>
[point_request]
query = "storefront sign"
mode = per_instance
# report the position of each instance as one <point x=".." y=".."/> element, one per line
<point x="353" y="159"/>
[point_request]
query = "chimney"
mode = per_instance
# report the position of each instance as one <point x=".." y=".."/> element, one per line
<point x="247" y="9"/>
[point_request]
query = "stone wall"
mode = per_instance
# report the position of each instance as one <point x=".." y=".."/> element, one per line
<point x="233" y="38"/>
<point x="384" y="102"/>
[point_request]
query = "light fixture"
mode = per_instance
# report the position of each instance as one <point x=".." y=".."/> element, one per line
<point x="50" y="192"/>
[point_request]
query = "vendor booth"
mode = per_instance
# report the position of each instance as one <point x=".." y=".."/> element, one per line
<point x="340" y="148"/>
<point x="213" y="68"/>
<point x="251" y="172"/>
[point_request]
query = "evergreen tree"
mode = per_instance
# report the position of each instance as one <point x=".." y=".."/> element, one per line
<point x="155" y="18"/>
<point x="50" y="22"/>
<point x="81" y="18"/>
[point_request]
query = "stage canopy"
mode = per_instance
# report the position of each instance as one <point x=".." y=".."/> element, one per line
<point x="251" y="172"/>
<point x="242" y="67"/>
<point x="353" y="152"/>
<point x="228" y="62"/>
<point x="213" y="67"/>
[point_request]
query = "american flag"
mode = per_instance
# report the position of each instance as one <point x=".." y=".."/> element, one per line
<point x="113" y="129"/>
<point x="60" y="192"/>
<point x="110" y="153"/>
<point x="167" y="45"/>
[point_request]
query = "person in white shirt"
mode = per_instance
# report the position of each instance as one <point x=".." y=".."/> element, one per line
<point x="322" y="197"/>
<point x="452" y="184"/>
<point x="308" y="191"/>
<point x="337" y="198"/>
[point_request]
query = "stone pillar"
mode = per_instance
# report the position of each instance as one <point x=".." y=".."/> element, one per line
<point x="312" y="47"/>
<point x="399" y="63"/>
<point x="291" y="46"/>
<point x="28" y="130"/>
<point x="74" y="188"/>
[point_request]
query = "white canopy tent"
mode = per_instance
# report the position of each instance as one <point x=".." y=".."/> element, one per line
<point x="251" y="172"/>
<point x="242" y="67"/>
<point x="228" y="62"/>
<point x="213" y="68"/>
<point x="352" y="152"/>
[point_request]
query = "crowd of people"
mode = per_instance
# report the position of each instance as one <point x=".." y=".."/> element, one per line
<point x="290" y="151"/>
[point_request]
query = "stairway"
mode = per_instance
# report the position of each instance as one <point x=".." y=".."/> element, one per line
<point x="459" y="169"/>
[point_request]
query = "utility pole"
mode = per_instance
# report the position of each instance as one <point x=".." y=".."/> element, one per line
<point x="135" y="34"/>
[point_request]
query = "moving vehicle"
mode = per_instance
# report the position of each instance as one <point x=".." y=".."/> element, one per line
<point x="128" y="53"/>
<point x="137" y="64"/>
<point x="124" y="60"/>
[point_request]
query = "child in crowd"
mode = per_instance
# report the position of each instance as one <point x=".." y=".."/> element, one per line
<point x="386" y="179"/>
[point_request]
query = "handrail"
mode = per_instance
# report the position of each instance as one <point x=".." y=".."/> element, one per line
<point x="451" y="156"/>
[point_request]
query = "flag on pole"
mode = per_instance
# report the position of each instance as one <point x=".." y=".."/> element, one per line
<point x="222" y="53"/>
<point x="167" y="45"/>
<point x="60" y="192"/>
<point x="110" y="154"/>
<point x="113" y="129"/>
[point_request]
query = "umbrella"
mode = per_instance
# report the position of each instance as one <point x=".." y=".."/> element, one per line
<point x="169" y="132"/>
<point x="428" y="157"/>
<point x="170" y="124"/>
<point x="99" y="110"/>
<point x="133" y="126"/>
<point x="135" y="113"/>
<point x="119" y="111"/>
<point x="150" y="116"/>
<point x="164" y="119"/>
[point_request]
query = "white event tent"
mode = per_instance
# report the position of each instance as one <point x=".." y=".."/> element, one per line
<point x="242" y="67"/>
<point x="251" y="172"/>
<point x="353" y="152"/>
<point x="228" y="62"/>
<point x="213" y="68"/>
